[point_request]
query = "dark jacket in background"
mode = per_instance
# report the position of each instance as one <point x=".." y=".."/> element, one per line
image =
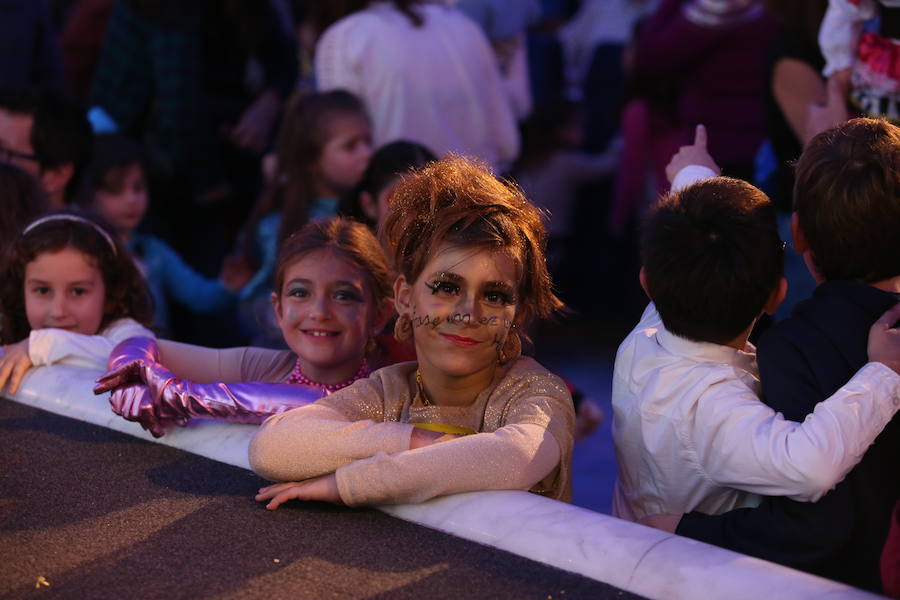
<point x="28" y="45"/>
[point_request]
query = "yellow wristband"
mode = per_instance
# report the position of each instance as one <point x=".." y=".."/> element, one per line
<point x="442" y="428"/>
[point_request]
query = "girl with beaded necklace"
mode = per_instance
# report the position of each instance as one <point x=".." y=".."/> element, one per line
<point x="332" y="298"/>
<point x="471" y="414"/>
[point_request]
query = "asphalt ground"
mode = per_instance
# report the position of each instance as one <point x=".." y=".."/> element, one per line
<point x="87" y="512"/>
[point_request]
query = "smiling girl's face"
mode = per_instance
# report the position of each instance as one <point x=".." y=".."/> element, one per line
<point x="64" y="289"/>
<point x="326" y="311"/>
<point x="462" y="307"/>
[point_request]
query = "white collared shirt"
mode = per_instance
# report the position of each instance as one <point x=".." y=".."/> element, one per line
<point x="689" y="428"/>
<point x="437" y="84"/>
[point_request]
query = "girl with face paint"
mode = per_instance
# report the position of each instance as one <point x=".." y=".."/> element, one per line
<point x="332" y="299"/>
<point x="471" y="413"/>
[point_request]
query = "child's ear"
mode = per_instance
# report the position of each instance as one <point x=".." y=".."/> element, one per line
<point x="797" y="235"/>
<point x="803" y="249"/>
<point x="642" y="277"/>
<point x="276" y="304"/>
<point x="402" y="295"/>
<point x="776" y="298"/>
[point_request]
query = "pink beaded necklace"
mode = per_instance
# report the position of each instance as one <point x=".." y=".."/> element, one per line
<point x="297" y="377"/>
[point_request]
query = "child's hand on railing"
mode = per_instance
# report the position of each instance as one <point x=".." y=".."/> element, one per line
<point x="14" y="363"/>
<point x="323" y="489"/>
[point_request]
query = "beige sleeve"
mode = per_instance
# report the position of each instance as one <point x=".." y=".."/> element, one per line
<point x="545" y="401"/>
<point x="317" y="439"/>
<point x="556" y="413"/>
<point x="228" y="365"/>
<point x="514" y="457"/>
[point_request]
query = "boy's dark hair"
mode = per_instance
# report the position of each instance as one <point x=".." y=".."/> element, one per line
<point x="387" y="164"/>
<point x="847" y="200"/>
<point x="127" y="294"/>
<point x="712" y="258"/>
<point x="392" y="160"/>
<point x="60" y="134"/>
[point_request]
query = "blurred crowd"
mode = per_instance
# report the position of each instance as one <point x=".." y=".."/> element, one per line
<point x="201" y="151"/>
<point x="206" y="132"/>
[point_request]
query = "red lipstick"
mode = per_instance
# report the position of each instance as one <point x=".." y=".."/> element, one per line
<point x="459" y="340"/>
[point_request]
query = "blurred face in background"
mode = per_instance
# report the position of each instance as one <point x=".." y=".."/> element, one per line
<point x="15" y="142"/>
<point x="123" y="198"/>
<point x="345" y="155"/>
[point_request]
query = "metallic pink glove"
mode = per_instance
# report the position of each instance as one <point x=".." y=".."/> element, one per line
<point x="145" y="391"/>
<point x="166" y="399"/>
<point x="126" y="363"/>
<point x="253" y="402"/>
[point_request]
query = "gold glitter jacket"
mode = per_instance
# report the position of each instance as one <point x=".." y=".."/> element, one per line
<point x="525" y="420"/>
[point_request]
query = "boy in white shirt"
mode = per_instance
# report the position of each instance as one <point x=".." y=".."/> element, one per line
<point x="689" y="430"/>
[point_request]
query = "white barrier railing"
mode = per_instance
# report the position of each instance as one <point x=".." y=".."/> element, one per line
<point x="631" y="557"/>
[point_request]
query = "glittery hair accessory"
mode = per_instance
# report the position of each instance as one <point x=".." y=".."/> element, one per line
<point x="74" y="219"/>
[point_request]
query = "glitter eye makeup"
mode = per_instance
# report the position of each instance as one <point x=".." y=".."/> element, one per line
<point x="348" y="294"/>
<point x="446" y="283"/>
<point x="498" y="293"/>
<point x="297" y="292"/>
<point x="445" y="287"/>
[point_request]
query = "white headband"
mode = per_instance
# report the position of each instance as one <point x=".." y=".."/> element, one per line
<point x="74" y="219"/>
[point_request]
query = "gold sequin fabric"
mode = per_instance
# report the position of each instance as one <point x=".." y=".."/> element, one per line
<point x="523" y="392"/>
